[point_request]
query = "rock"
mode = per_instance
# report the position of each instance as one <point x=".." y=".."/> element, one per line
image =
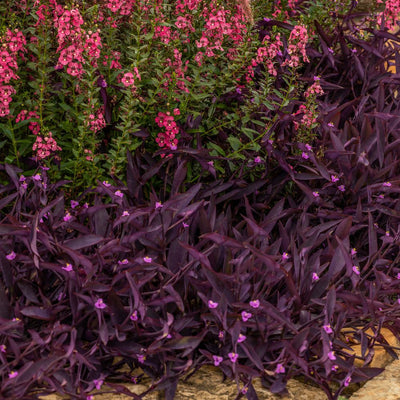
<point x="385" y="386"/>
<point x="207" y="384"/>
<point x="381" y="357"/>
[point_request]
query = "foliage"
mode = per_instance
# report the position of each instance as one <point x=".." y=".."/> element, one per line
<point x="92" y="81"/>
<point x="262" y="242"/>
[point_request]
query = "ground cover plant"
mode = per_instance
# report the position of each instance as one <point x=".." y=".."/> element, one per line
<point x="167" y="203"/>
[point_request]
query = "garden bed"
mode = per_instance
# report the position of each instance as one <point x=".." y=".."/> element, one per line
<point x="190" y="187"/>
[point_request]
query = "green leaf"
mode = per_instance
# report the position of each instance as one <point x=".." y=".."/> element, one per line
<point x="249" y="132"/>
<point x="7" y="131"/>
<point x="215" y="147"/>
<point x="234" y="142"/>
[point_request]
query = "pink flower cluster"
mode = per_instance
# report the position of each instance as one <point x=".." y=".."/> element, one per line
<point x="74" y="43"/>
<point x="221" y="25"/>
<point x="165" y="34"/>
<point x="167" y="139"/>
<point x="390" y="14"/>
<point x="96" y="122"/>
<point x="122" y="7"/>
<point x="308" y="118"/>
<point x="12" y="43"/>
<point x="297" y="46"/>
<point x="315" y="89"/>
<point x="33" y="126"/>
<point x="44" y="145"/>
<point x="268" y="53"/>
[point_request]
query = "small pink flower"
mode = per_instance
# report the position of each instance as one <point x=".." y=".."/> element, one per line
<point x="331" y="355"/>
<point x="123" y="262"/>
<point x="119" y="194"/>
<point x="280" y="369"/>
<point x="315" y="194"/>
<point x="255" y="303"/>
<point x="11" y="256"/>
<point x="308" y="147"/>
<point x="334" y="178"/>
<point x="334" y="368"/>
<point x="37" y="177"/>
<point x="210" y="163"/>
<point x="147" y="260"/>
<point x="221" y="334"/>
<point x="330" y="124"/>
<point x="305" y="155"/>
<point x="159" y="205"/>
<point x="134" y="316"/>
<point x="212" y="304"/>
<point x="74" y="203"/>
<point x="185" y="225"/>
<point x="67" y="217"/>
<point x="398" y="275"/>
<point x="353" y="251"/>
<point x="128" y="79"/>
<point x="285" y="256"/>
<point x="176" y="111"/>
<point x="315" y="277"/>
<point x="381" y="196"/>
<point x="241" y="338"/>
<point x="106" y="184"/>
<point x="356" y="269"/>
<point x="141" y="358"/>
<point x="125" y="213"/>
<point x="257" y="160"/>
<point x="13" y="374"/>
<point x="387" y="184"/>
<point x="342" y="188"/>
<point x="217" y="360"/>
<point x="327" y="328"/>
<point x="233" y="357"/>
<point x="68" y="267"/>
<point x="3" y="348"/>
<point x="246" y="316"/>
<point x="347" y="381"/>
<point x="90" y="397"/>
<point x="100" y="304"/>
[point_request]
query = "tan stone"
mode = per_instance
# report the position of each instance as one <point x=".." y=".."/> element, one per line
<point x="381" y="357"/>
<point x="385" y="386"/>
<point x="208" y="384"/>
